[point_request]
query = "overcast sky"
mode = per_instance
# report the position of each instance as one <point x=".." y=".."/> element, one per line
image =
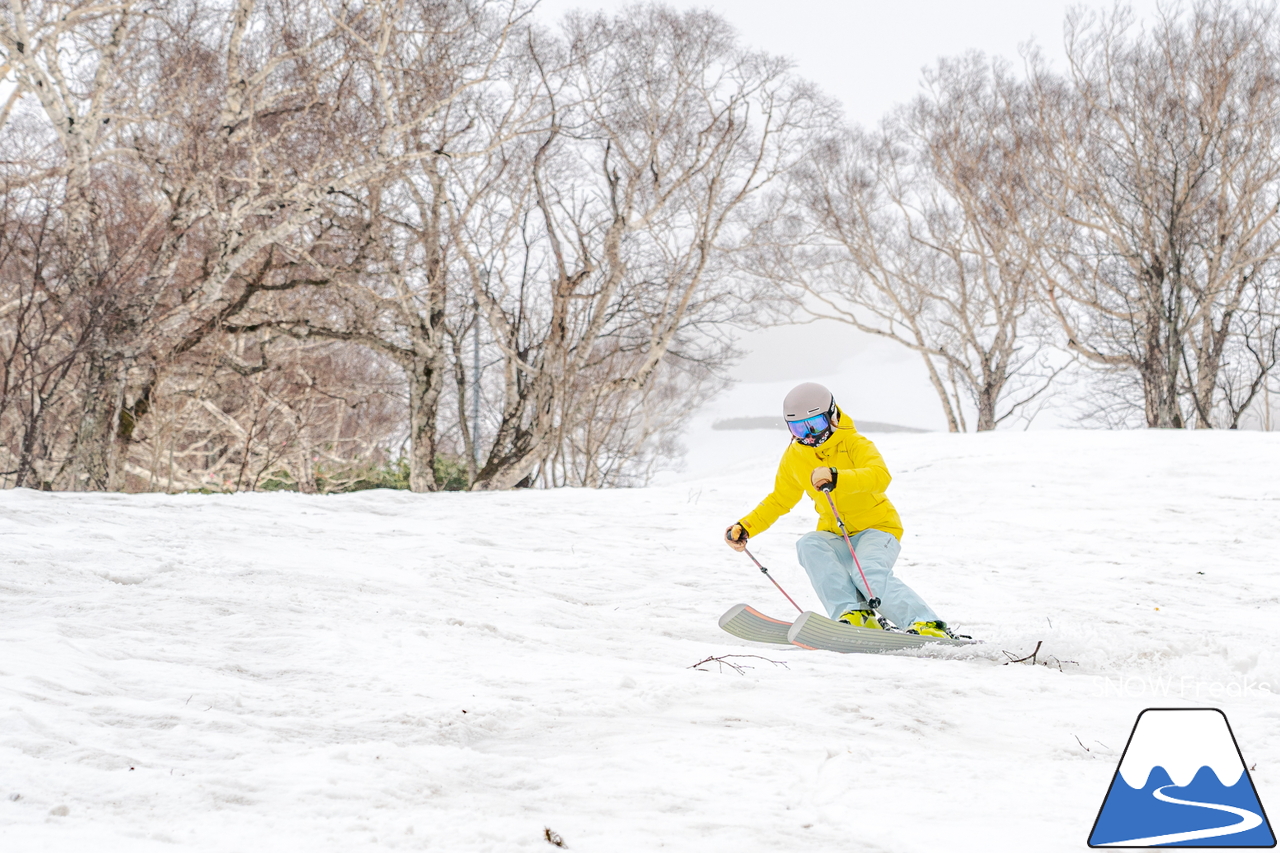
<point x="869" y="54"/>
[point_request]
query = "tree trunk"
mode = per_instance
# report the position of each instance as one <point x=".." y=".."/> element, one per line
<point x="305" y="475"/>
<point x="986" y="400"/>
<point x="30" y="436"/>
<point x="943" y="397"/>
<point x="1160" y="364"/>
<point x="425" y="381"/>
<point x="98" y="458"/>
<point x="513" y="471"/>
<point x="519" y="447"/>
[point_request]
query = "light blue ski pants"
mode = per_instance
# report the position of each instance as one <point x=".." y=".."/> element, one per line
<point x="826" y="558"/>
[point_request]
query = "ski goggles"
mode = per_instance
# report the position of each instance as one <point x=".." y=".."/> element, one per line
<point x="816" y="425"/>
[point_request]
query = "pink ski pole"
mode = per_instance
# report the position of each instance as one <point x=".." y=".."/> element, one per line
<point x="873" y="602"/>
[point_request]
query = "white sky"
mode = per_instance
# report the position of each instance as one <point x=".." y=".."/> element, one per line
<point x="868" y="55"/>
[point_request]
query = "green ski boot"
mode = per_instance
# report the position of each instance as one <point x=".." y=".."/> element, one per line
<point x="865" y="619"/>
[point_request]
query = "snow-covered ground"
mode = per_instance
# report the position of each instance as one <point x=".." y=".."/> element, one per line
<point x="459" y="672"/>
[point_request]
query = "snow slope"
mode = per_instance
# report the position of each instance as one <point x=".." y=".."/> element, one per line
<point x="458" y="672"/>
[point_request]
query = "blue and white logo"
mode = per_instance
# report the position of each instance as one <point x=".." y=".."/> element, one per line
<point x="1182" y="782"/>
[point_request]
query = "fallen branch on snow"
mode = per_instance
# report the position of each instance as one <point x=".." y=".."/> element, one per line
<point x="723" y="660"/>
<point x="1032" y="657"/>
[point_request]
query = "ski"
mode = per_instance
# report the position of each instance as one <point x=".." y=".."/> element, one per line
<point x="743" y="620"/>
<point x="815" y="631"/>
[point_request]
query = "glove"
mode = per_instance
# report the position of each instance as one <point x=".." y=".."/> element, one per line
<point x="823" y="478"/>
<point x="736" y="536"/>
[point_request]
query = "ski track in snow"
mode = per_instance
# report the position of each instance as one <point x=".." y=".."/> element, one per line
<point x="456" y="672"/>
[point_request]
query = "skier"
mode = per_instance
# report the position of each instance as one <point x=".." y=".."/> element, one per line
<point x="826" y="451"/>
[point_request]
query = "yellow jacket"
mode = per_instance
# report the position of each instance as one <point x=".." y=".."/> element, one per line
<point x="858" y="494"/>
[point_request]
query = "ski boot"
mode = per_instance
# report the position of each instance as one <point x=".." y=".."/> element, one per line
<point x="936" y="628"/>
<point x="865" y="619"/>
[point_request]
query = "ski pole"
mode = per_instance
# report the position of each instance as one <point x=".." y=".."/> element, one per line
<point x="770" y="577"/>
<point x="873" y="602"/>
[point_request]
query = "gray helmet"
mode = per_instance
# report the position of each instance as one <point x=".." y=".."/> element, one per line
<point x="811" y="414"/>
<point x="807" y="400"/>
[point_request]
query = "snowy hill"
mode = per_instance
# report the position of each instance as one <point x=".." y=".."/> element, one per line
<point x="459" y="672"/>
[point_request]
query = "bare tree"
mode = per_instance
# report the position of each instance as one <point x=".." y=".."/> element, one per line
<point x="205" y="163"/>
<point x="1158" y="150"/>
<point x="922" y="233"/>
<point x="1251" y="355"/>
<point x="408" y="302"/>
<point x="663" y="131"/>
<point x="44" y="332"/>
<point x="246" y="412"/>
<point x="573" y="226"/>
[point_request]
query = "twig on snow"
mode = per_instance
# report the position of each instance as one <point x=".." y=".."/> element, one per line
<point x="1082" y="746"/>
<point x="553" y="837"/>
<point x="1031" y="657"/>
<point x="723" y="660"/>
